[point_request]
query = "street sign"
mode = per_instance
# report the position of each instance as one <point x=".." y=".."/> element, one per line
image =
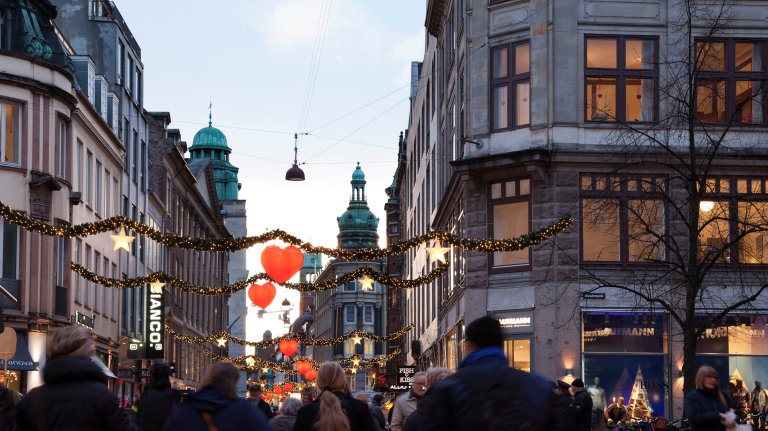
<point x="593" y="295"/>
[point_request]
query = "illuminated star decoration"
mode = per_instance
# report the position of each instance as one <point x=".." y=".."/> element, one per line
<point x="122" y="240"/>
<point x="357" y="339"/>
<point x="250" y="361"/>
<point x="222" y="342"/>
<point x="265" y="370"/>
<point x="353" y="370"/>
<point x="156" y="286"/>
<point x="355" y="362"/>
<point x="366" y="282"/>
<point x="437" y="252"/>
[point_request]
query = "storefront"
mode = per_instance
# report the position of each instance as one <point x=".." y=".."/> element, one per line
<point x="624" y="354"/>
<point x="737" y="349"/>
<point x="18" y="365"/>
<point x="517" y="330"/>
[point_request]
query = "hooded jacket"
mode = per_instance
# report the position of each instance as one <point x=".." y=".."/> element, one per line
<point x="156" y="404"/>
<point x="226" y="413"/>
<point x="74" y="397"/>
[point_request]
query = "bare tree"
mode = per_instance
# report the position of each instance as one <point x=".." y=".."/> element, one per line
<point x="696" y="221"/>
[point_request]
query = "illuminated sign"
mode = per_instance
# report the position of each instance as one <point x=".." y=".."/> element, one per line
<point x="405" y="375"/>
<point x="155" y="323"/>
<point x="515" y="322"/>
<point x="84" y="319"/>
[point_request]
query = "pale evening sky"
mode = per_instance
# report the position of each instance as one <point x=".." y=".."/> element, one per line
<point x="252" y="60"/>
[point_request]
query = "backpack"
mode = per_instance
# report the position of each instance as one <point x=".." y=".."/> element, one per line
<point x="501" y="403"/>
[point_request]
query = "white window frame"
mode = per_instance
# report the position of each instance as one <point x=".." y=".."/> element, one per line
<point x="97" y="185"/>
<point x="346" y="313"/>
<point x="3" y="124"/>
<point x="89" y="178"/>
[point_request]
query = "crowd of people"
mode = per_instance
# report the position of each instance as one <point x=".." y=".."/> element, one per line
<point x="483" y="394"/>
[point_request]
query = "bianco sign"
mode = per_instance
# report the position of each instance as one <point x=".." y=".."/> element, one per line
<point x="155" y="323"/>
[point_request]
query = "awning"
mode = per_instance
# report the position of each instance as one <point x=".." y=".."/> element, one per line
<point x="104" y="369"/>
<point x="22" y="360"/>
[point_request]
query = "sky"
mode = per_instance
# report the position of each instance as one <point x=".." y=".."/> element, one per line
<point x="253" y="61"/>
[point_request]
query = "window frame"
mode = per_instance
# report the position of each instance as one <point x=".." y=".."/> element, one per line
<point x="367" y="307"/>
<point x="492" y="202"/>
<point x="730" y="76"/>
<point x="620" y="74"/>
<point x="510" y="81"/>
<point x="346" y="313"/>
<point x="19" y="130"/>
<point x="62" y="147"/>
<point x="17" y="246"/>
<point x="624" y="196"/>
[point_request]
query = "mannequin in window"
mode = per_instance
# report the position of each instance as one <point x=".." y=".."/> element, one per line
<point x="598" y="403"/>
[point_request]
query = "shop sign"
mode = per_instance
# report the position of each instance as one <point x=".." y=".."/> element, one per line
<point x="135" y="350"/>
<point x="155" y="323"/>
<point x="623" y="332"/>
<point x="515" y="322"/>
<point x="593" y="295"/>
<point x="84" y="319"/>
<point x="405" y="376"/>
<point x="125" y="373"/>
<point x="401" y="388"/>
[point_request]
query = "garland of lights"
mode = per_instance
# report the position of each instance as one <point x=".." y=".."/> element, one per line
<point x="356" y="334"/>
<point x="234" y="244"/>
<point x="255" y="362"/>
<point x="234" y="287"/>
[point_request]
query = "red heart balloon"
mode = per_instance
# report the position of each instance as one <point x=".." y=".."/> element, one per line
<point x="278" y="391"/>
<point x="282" y="263"/>
<point x="262" y="294"/>
<point x="303" y="366"/>
<point x="311" y="374"/>
<point x="288" y="387"/>
<point x="288" y="347"/>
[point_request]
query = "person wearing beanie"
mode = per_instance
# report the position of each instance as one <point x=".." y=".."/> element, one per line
<point x="75" y="394"/>
<point x="486" y="394"/>
<point x="582" y="406"/>
<point x="158" y="399"/>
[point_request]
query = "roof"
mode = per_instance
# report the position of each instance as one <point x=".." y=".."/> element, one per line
<point x="210" y="137"/>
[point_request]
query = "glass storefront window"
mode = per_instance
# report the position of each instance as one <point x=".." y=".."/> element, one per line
<point x="519" y="354"/>
<point x="450" y="351"/>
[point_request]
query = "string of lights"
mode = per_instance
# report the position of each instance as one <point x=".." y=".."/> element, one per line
<point x="356" y="334"/>
<point x="234" y="244"/>
<point x="250" y="362"/>
<point x="234" y="287"/>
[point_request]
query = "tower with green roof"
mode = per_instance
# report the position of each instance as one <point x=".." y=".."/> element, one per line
<point x="358" y="226"/>
<point x="210" y="143"/>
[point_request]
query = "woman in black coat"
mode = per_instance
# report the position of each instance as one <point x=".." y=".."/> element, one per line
<point x="217" y="406"/>
<point x="75" y="394"/>
<point x="334" y="409"/>
<point x="706" y="406"/>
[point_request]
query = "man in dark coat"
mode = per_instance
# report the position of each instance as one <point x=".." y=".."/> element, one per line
<point x="377" y="413"/>
<point x="486" y="394"/>
<point x="75" y="394"/>
<point x="158" y="399"/>
<point x="565" y="405"/>
<point x="254" y="396"/>
<point x="582" y="403"/>
<point x="225" y="413"/>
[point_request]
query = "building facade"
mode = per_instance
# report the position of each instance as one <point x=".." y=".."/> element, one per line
<point x="521" y="117"/>
<point x="352" y="306"/>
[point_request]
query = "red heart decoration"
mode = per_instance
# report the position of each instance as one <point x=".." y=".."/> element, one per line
<point x="288" y="347"/>
<point x="288" y="387"/>
<point x="282" y="263"/>
<point x="311" y="374"/>
<point x="262" y="294"/>
<point x="303" y="366"/>
<point x="278" y="391"/>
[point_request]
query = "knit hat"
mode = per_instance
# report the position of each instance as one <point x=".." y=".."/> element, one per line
<point x="562" y="384"/>
<point x="577" y="383"/>
<point x="485" y="332"/>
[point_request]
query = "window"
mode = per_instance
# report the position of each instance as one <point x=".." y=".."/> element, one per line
<point x="368" y="347"/>
<point x="368" y="314"/>
<point x="104" y="299"/>
<point x="621" y="79"/>
<point x="98" y="202"/>
<point x="61" y="260"/>
<point x="350" y="286"/>
<point x="731" y="74"/>
<point x="78" y="279"/>
<point x="113" y="294"/>
<point x="135" y="156"/>
<point x="510" y="201"/>
<point x="62" y="148"/>
<point x="80" y="167"/>
<point x="9" y="251"/>
<point x="350" y="314"/>
<point x="349" y="347"/>
<point x="510" y="86"/>
<point x="129" y="75"/>
<point x="87" y="265"/>
<point x="89" y="179"/>
<point x="10" y="133"/>
<point x="120" y="63"/>
<point x="143" y="166"/>
<point x="621" y="219"/>
<point x="96" y="269"/>
<point x="107" y="194"/>
<point x="518" y="353"/>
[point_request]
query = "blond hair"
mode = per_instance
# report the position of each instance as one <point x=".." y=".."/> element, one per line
<point x="436" y="375"/>
<point x="703" y="372"/>
<point x="330" y="417"/>
<point x="225" y="376"/>
<point x="67" y="340"/>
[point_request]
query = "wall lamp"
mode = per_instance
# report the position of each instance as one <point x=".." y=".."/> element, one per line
<point x="569" y="372"/>
<point x="478" y="144"/>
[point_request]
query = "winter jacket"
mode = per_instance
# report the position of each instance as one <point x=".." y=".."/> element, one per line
<point x="582" y="402"/>
<point x="263" y="407"/>
<point x="565" y="408"/>
<point x="357" y="412"/>
<point x="156" y="404"/>
<point x="227" y="414"/>
<point x="404" y="405"/>
<point x="74" y="397"/>
<point x="702" y="408"/>
<point x="282" y="423"/>
<point x="456" y="402"/>
<point x="378" y="417"/>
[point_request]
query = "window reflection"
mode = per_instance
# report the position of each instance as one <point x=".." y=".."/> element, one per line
<point x="639" y="54"/>
<point x="710" y="101"/>
<point x="711" y="55"/>
<point x="748" y="57"/>
<point x="753" y="246"/>
<point x="713" y="230"/>
<point x="748" y="107"/>
<point x="640" y="99"/>
<point x="646" y="224"/>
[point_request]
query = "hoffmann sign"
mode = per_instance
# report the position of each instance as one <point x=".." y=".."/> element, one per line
<point x="155" y="323"/>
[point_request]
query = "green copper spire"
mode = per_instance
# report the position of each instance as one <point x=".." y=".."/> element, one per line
<point x="210" y="143"/>
<point x="358" y="226"/>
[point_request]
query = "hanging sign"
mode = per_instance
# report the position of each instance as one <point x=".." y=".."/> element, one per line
<point x="155" y="323"/>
